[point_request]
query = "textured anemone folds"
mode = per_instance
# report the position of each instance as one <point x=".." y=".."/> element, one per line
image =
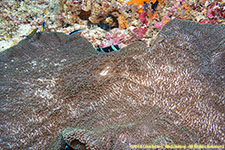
<point x="57" y="90"/>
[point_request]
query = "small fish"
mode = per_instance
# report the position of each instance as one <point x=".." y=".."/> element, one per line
<point x="43" y="26"/>
<point x="108" y="49"/>
<point x="154" y="6"/>
<point x="76" y="31"/>
<point x="109" y="23"/>
<point x="66" y="147"/>
<point x="7" y="36"/>
<point x="45" y="12"/>
<point x="32" y="33"/>
<point x="104" y="26"/>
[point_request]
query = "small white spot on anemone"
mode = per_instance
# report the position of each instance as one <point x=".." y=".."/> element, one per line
<point x="105" y="71"/>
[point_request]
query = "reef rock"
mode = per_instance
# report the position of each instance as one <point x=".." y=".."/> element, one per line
<point x="57" y="90"/>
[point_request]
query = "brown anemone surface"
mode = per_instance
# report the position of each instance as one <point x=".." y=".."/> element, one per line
<point x="56" y="89"/>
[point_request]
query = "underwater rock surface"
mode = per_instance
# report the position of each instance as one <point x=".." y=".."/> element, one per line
<point x="56" y="89"/>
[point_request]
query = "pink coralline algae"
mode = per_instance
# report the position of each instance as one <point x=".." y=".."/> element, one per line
<point x="210" y="13"/>
<point x="140" y="31"/>
<point x="114" y="39"/>
<point x="159" y="25"/>
<point x="142" y="17"/>
<point x="214" y="13"/>
<point x="204" y="21"/>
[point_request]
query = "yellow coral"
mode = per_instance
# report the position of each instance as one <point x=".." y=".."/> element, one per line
<point x="120" y="1"/>
<point x="123" y="23"/>
<point x="186" y="8"/>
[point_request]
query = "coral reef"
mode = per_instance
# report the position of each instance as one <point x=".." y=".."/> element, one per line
<point x="123" y="23"/>
<point x="58" y="91"/>
<point x="93" y="11"/>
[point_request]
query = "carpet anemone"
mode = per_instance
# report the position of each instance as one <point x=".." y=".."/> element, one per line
<point x="56" y="90"/>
